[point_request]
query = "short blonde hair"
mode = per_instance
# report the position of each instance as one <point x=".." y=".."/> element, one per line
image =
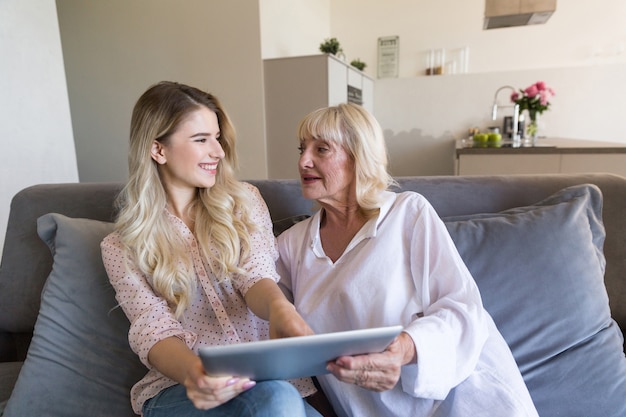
<point x="358" y="133"/>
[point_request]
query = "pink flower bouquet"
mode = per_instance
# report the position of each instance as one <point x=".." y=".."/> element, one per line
<point x="534" y="98"/>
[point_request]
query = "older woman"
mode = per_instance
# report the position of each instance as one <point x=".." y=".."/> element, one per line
<point x="370" y="257"/>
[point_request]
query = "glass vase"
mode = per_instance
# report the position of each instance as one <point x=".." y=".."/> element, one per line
<point x="532" y="128"/>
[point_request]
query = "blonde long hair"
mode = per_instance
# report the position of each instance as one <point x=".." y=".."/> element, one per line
<point x="222" y="223"/>
<point x="358" y="133"/>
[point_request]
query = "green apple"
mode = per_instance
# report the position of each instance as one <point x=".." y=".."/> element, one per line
<point x="481" y="137"/>
<point x="494" y="137"/>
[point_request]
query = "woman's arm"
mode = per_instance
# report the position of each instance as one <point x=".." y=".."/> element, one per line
<point x="267" y="301"/>
<point x="260" y="289"/>
<point x="151" y="318"/>
<point x="175" y="360"/>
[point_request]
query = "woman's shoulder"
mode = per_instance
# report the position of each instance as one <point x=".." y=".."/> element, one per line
<point x="111" y="246"/>
<point x="408" y="205"/>
<point x="410" y="198"/>
<point x="112" y="239"/>
<point x="248" y="186"/>
<point x="252" y="197"/>
<point x="251" y="190"/>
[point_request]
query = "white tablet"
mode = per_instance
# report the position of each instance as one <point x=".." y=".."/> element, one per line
<point x="293" y="357"/>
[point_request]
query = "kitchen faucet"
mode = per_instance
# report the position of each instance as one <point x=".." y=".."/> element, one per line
<point x="494" y="111"/>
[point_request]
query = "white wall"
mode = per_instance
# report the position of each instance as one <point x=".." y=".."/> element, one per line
<point x="580" y="32"/>
<point x="580" y="52"/>
<point x="115" y="49"/>
<point x="293" y="27"/>
<point x="35" y="126"/>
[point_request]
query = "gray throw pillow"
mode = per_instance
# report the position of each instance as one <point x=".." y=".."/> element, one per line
<point x="79" y="362"/>
<point x="540" y="270"/>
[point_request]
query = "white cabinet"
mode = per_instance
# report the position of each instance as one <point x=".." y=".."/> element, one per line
<point x="508" y="164"/>
<point x="614" y="163"/>
<point x="296" y="86"/>
<point x="557" y="155"/>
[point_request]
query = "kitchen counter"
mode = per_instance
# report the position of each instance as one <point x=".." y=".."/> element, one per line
<point x="544" y="145"/>
<point x="549" y="155"/>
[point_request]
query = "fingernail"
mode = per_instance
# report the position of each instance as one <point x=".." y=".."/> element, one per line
<point x="248" y="385"/>
<point x="232" y="382"/>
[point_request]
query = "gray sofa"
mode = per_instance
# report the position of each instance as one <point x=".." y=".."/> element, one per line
<point x="536" y="246"/>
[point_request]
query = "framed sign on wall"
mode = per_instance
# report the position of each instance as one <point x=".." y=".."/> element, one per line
<point x="388" y="50"/>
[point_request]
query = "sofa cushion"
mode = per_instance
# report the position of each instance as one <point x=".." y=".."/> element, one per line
<point x="79" y="362"/>
<point x="540" y="270"/>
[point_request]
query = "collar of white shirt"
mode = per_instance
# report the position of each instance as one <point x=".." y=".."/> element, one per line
<point x="367" y="231"/>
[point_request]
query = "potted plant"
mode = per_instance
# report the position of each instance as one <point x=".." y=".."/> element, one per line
<point x="330" y="46"/>
<point x="358" y="64"/>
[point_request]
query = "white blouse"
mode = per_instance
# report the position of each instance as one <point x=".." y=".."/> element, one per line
<point x="402" y="267"/>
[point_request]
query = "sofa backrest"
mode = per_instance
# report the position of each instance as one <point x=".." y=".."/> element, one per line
<point x="463" y="195"/>
<point x="26" y="260"/>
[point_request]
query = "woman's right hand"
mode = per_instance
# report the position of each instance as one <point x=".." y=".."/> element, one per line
<point x="174" y="359"/>
<point x="207" y="391"/>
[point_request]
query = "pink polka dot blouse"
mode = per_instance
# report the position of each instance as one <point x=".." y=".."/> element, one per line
<point x="218" y="314"/>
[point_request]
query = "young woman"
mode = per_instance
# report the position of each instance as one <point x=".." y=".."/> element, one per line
<point x="192" y="262"/>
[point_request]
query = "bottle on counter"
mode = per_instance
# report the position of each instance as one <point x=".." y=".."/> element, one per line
<point x="521" y="127"/>
<point x="507" y="127"/>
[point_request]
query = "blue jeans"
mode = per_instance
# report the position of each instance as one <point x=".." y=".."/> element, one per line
<point x="265" y="399"/>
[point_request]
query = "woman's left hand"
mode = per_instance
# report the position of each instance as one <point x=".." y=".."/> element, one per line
<point x="376" y="371"/>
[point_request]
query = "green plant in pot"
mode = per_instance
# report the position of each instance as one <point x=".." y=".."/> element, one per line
<point x="358" y="64"/>
<point x="330" y="46"/>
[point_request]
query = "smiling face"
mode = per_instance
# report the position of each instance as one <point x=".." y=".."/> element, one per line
<point x="326" y="173"/>
<point x="189" y="157"/>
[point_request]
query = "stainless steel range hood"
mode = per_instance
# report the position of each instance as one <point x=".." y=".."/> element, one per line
<point x="508" y="13"/>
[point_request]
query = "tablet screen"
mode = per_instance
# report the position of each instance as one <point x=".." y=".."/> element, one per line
<point x="293" y="357"/>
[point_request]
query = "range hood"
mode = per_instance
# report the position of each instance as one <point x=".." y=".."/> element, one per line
<point x="508" y="13"/>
